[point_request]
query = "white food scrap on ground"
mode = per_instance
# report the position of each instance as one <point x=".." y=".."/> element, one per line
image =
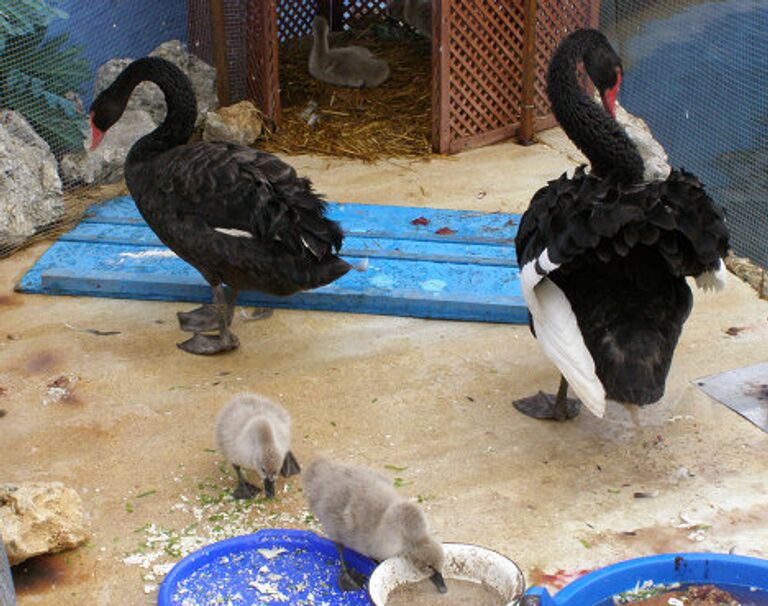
<point x="211" y="515"/>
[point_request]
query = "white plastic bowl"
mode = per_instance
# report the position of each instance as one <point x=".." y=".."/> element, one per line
<point x="462" y="561"/>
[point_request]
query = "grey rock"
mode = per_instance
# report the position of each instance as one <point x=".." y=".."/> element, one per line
<point x="145" y="110"/>
<point x="38" y="518"/>
<point x="30" y="188"/>
<point x="7" y="593"/>
<point x="148" y="96"/>
<point x="105" y="163"/>
<point x="202" y="75"/>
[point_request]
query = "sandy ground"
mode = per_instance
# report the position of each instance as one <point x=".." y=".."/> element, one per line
<point x="428" y="402"/>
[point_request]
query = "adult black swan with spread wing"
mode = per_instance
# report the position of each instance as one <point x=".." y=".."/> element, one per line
<point x="241" y="217"/>
<point x="604" y="254"/>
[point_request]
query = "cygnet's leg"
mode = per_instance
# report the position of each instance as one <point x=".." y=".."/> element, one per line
<point x="206" y="345"/>
<point x="349" y="578"/>
<point x="244" y="490"/>
<point x="545" y="406"/>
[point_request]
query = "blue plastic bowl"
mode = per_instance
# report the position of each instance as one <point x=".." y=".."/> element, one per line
<point x="730" y="571"/>
<point x="309" y="565"/>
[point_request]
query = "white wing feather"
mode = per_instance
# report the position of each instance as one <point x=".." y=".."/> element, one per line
<point x="559" y="336"/>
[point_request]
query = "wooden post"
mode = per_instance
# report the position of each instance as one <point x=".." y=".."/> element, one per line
<point x="441" y="56"/>
<point x="263" y="79"/>
<point x="220" y="52"/>
<point x="528" y="113"/>
<point x="332" y="11"/>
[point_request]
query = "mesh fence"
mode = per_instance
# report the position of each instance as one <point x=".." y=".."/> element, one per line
<point x="697" y="72"/>
<point x="50" y="54"/>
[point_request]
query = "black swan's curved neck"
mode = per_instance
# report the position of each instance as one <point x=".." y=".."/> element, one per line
<point x="587" y="124"/>
<point x="181" y="113"/>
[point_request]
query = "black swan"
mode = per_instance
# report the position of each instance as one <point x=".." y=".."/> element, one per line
<point x="604" y="254"/>
<point x="241" y="217"/>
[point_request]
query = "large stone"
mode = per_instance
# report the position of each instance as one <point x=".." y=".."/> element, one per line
<point x="38" y="518"/>
<point x="30" y="188"/>
<point x="148" y="96"/>
<point x="105" y="163"/>
<point x="239" y="123"/>
<point x="145" y="110"/>
<point x="201" y="75"/>
<point x="654" y="156"/>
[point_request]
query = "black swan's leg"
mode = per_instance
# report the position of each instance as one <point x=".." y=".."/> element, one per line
<point x="206" y="317"/>
<point x="202" y="319"/>
<point x="244" y="490"/>
<point x="545" y="406"/>
<point x="349" y="578"/>
<point x="257" y="313"/>
<point x="205" y="345"/>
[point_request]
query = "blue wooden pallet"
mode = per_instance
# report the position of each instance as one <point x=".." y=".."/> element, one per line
<point x="468" y="271"/>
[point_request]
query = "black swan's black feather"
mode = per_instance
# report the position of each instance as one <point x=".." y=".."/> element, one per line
<point x="623" y="247"/>
<point x="194" y="195"/>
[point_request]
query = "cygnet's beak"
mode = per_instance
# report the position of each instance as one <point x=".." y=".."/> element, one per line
<point x="269" y="488"/>
<point x="439" y="582"/>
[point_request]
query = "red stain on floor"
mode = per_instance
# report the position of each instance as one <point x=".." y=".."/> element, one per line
<point x="445" y="231"/>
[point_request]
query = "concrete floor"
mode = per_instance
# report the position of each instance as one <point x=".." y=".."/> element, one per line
<point x="425" y="401"/>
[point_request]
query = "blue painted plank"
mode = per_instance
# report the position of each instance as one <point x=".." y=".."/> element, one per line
<point x="354" y="246"/>
<point x="471" y="275"/>
<point x="372" y="219"/>
<point x="392" y="287"/>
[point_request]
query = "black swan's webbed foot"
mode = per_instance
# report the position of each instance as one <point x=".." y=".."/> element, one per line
<point x="206" y="345"/>
<point x="203" y="319"/>
<point x="244" y="490"/>
<point x="349" y="578"/>
<point x="257" y="313"/>
<point x="545" y="406"/>
<point x="290" y="466"/>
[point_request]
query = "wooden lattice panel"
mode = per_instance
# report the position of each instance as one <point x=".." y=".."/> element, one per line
<point x="555" y="20"/>
<point x="485" y="56"/>
<point x="478" y="58"/>
<point x="294" y="18"/>
<point x="477" y="61"/>
<point x="352" y="10"/>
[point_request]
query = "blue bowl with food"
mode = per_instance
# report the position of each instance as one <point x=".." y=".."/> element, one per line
<point x="666" y="579"/>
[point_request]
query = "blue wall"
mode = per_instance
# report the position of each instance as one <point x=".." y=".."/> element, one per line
<point x="106" y="29"/>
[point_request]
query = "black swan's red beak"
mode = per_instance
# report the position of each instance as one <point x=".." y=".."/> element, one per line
<point x="96" y="134"/>
<point x="609" y="96"/>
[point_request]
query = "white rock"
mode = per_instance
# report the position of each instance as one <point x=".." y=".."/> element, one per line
<point x="38" y="518"/>
<point x="30" y="188"/>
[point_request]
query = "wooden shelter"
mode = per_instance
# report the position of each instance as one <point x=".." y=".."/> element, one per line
<point x="489" y="57"/>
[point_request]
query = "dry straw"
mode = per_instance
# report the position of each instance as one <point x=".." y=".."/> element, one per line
<point x="393" y="120"/>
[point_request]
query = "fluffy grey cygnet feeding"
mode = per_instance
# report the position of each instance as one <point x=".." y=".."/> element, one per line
<point x="360" y="509"/>
<point x="353" y="66"/>
<point x="255" y="433"/>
